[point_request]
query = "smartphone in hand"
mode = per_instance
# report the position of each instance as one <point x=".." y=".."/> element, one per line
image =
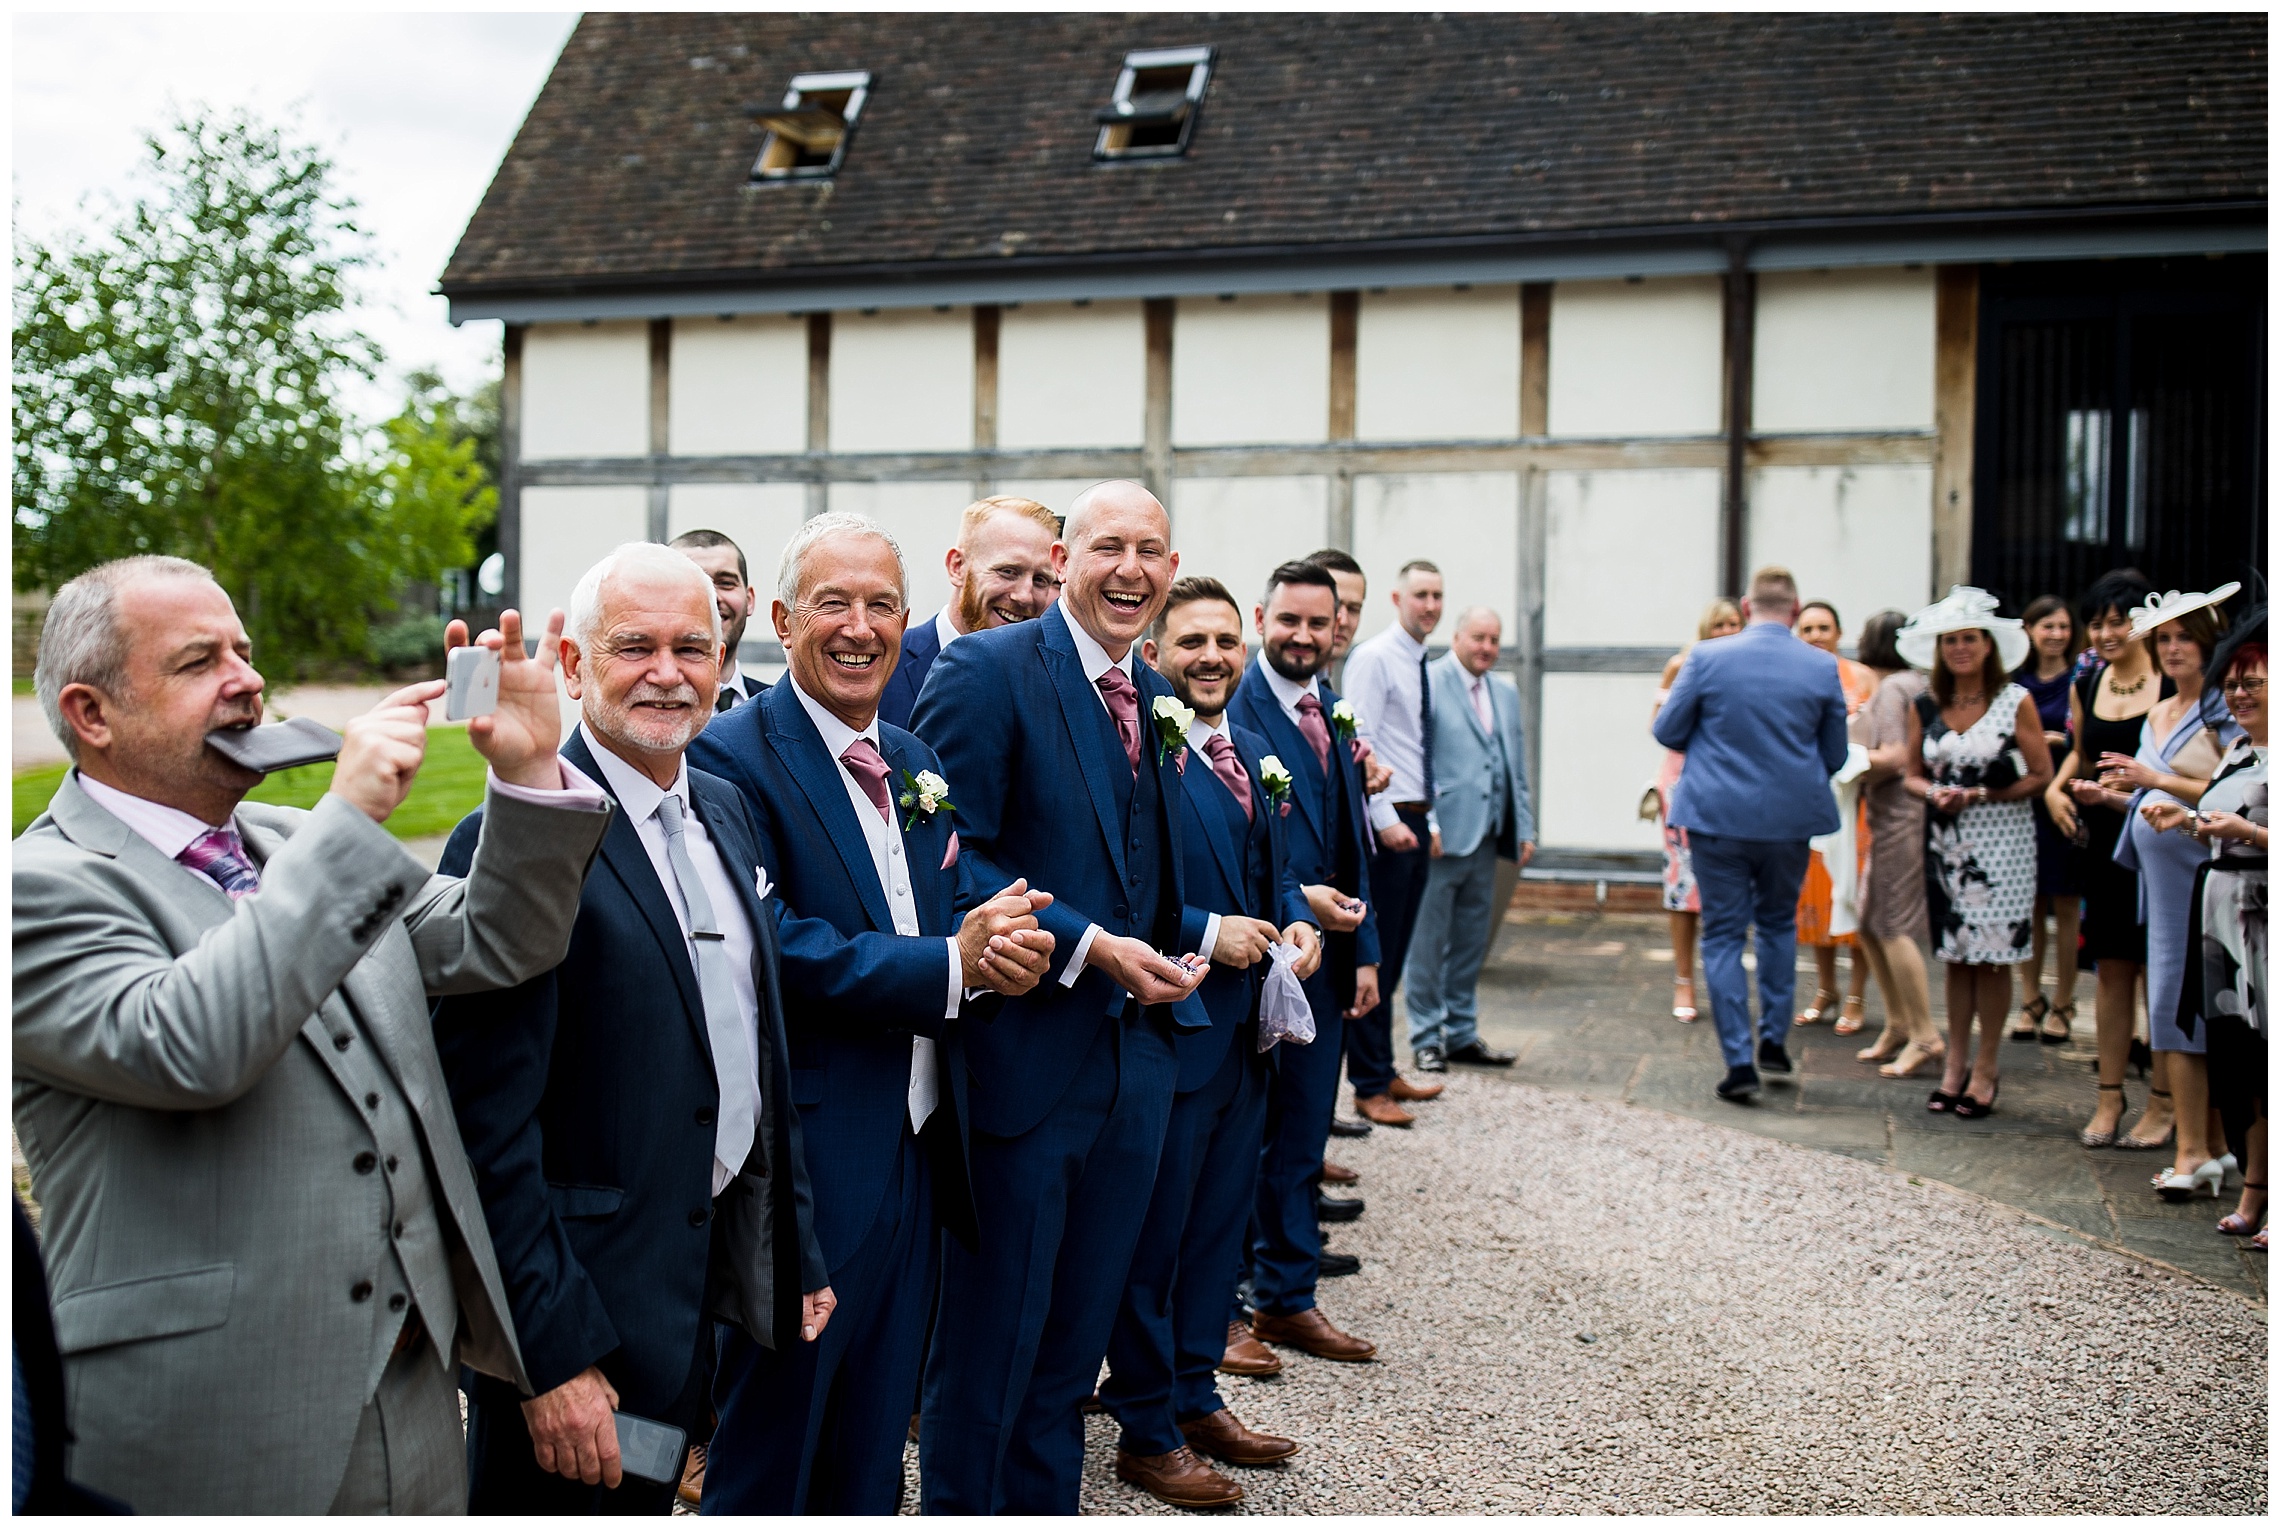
<point x="471" y="680"/>
<point x="649" y="1450"/>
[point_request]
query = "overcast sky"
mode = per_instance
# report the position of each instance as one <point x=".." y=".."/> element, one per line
<point x="415" y="111"/>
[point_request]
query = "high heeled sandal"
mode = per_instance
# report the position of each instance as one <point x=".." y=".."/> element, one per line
<point x="1854" y="1018"/>
<point x="1967" y="1107"/>
<point x="1880" y="1051"/>
<point x="1912" y="1057"/>
<point x="2063" y="1014"/>
<point x="2132" y="1143"/>
<point x="2032" y="1010"/>
<point x="1822" y="998"/>
<point x="1942" y="1101"/>
<point x="2239" y="1222"/>
<point x="2177" y="1187"/>
<point x="1684" y="1012"/>
<point x="2094" y="1139"/>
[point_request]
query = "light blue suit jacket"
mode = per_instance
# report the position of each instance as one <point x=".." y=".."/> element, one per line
<point x="1464" y="771"/>
<point x="1760" y="717"/>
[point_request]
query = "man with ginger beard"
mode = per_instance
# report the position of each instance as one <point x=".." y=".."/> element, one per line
<point x="1001" y="573"/>
<point x="628" y="1113"/>
<point x="1060" y="772"/>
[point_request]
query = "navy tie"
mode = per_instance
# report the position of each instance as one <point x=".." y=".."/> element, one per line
<point x="1425" y="721"/>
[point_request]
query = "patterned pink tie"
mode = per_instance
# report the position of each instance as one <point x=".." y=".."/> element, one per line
<point x="870" y="772"/>
<point x="1314" y="729"/>
<point x="1230" y="771"/>
<point x="219" y="855"/>
<point x="1124" y="705"/>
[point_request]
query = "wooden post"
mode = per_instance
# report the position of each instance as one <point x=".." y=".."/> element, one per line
<point x="1156" y="438"/>
<point x="510" y="466"/>
<point x="1955" y="413"/>
<point x="1345" y="320"/>
<point x="1741" y="339"/>
<point x="819" y="408"/>
<point x="660" y="425"/>
<point x="1536" y="359"/>
<point x="987" y="317"/>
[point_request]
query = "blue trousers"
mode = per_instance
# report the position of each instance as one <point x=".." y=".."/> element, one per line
<point x="818" y="1427"/>
<point x="1025" y="1319"/>
<point x="1745" y="881"/>
<point x="1171" y="1329"/>
<point x="1455" y="922"/>
<point x="1397" y="882"/>
<point x="1286" y="1256"/>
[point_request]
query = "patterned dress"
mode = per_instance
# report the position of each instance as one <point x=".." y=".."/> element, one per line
<point x="1980" y="863"/>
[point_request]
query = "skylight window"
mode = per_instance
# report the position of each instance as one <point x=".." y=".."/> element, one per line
<point x="1151" y="114"/>
<point x="807" y="135"/>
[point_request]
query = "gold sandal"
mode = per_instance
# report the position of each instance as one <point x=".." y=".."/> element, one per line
<point x="1854" y="1019"/>
<point x="1821" y="1001"/>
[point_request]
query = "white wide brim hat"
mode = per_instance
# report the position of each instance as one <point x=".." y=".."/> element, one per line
<point x="2160" y="609"/>
<point x="1964" y="609"/>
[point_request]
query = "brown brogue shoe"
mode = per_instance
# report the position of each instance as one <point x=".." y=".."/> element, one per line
<point x="1220" y="1436"/>
<point x="1178" y="1478"/>
<point x="1310" y="1331"/>
<point x="1246" y="1354"/>
<point x="1333" y="1173"/>
<point x="1382" y="1110"/>
<point x="693" y="1476"/>
<point x="1413" y="1092"/>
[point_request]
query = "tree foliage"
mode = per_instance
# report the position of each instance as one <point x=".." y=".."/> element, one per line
<point x="178" y="385"/>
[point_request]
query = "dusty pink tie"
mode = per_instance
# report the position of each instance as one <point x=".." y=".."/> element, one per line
<point x="1314" y="729"/>
<point x="1230" y="771"/>
<point x="1124" y="705"/>
<point x="870" y="772"/>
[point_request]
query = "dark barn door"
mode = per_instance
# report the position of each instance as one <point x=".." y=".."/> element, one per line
<point x="2121" y="424"/>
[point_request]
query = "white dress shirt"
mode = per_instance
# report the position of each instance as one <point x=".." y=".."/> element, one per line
<point x="1385" y="683"/>
<point x="1095" y="661"/>
<point x="1289" y="692"/>
<point x="946" y="633"/>
<point x="638" y="796"/>
<point x="893" y="867"/>
<point x="734" y="678"/>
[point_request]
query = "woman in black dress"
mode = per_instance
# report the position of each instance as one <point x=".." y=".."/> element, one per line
<point x="2106" y="714"/>
<point x="2047" y="677"/>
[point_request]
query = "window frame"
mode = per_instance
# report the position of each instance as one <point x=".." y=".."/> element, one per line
<point x="1201" y="61"/>
<point x="857" y="83"/>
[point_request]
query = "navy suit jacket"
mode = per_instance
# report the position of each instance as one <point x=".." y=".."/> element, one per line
<point x="1027" y="748"/>
<point x="1220" y="848"/>
<point x="855" y="991"/>
<point x="586" y="1101"/>
<point x="1760" y="717"/>
<point x="921" y="645"/>
<point x="1327" y="846"/>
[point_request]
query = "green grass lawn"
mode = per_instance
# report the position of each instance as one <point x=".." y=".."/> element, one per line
<point x="450" y="785"/>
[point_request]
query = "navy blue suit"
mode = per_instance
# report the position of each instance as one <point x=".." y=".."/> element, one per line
<point x="1329" y="837"/>
<point x="1070" y="1086"/>
<point x="921" y="645"/>
<point x="820" y="1429"/>
<point x="1171" y="1328"/>
<point x="586" y="1100"/>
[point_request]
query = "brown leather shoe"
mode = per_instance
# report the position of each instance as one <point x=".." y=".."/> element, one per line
<point x="693" y="1476"/>
<point x="1412" y="1092"/>
<point x="1333" y="1173"/>
<point x="1178" y="1478"/>
<point x="1382" y="1110"/>
<point x="1227" y="1440"/>
<point x="1246" y="1354"/>
<point x="1310" y="1331"/>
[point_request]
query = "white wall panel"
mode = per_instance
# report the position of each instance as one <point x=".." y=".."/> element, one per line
<point x="1071" y="376"/>
<point x="739" y="386"/>
<point x="1843" y="350"/>
<point x="1637" y="358"/>
<point x="1859" y="537"/>
<point x="1598" y="756"/>
<point x="902" y="380"/>
<point x="1238" y="530"/>
<point x="565" y="531"/>
<point x="1466" y="523"/>
<point x="923" y="519"/>
<point x="1254" y="371"/>
<point x="758" y="517"/>
<point x="1437" y="364"/>
<point x="1631" y="556"/>
<point x="585" y="390"/>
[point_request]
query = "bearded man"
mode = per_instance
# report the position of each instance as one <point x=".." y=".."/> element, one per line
<point x="1001" y="573"/>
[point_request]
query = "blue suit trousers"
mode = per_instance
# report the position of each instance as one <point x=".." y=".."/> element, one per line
<point x="1171" y="1330"/>
<point x="1025" y="1320"/>
<point x="1286" y="1258"/>
<point x="818" y="1427"/>
<point x="1745" y="881"/>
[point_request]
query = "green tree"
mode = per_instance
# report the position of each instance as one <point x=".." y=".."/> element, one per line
<point x="178" y="381"/>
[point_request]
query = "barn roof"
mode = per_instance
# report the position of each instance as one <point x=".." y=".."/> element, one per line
<point x="1353" y="133"/>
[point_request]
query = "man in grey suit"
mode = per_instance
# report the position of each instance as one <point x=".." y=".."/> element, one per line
<point x="1481" y="802"/>
<point x="265" y="1245"/>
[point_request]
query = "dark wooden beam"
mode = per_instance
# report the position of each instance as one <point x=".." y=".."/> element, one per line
<point x="1156" y="429"/>
<point x="1955" y="413"/>
<point x="1535" y="358"/>
<point x="510" y="464"/>
<point x="819" y="407"/>
<point x="1741" y="339"/>
<point x="660" y="421"/>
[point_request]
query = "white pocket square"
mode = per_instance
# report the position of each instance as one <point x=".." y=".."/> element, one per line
<point x="761" y="884"/>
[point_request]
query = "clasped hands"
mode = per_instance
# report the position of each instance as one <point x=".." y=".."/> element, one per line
<point x="2168" y="816"/>
<point x="1000" y="945"/>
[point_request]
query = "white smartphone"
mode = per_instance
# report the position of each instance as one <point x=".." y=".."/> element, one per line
<point x="471" y="677"/>
<point x="650" y="1450"/>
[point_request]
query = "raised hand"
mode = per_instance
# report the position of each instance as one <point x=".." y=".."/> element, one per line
<point x="381" y="751"/>
<point x="519" y="739"/>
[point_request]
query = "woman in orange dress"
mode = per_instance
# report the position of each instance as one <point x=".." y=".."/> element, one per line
<point x="1817" y="623"/>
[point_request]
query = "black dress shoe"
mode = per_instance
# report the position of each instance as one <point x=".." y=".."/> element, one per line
<point x="1478" y="1054"/>
<point x="1336" y="1265"/>
<point x="1336" y="1210"/>
<point x="1429" y="1058"/>
<point x="1340" y="1125"/>
<point x="1740" y="1086"/>
<point x="1774" y="1058"/>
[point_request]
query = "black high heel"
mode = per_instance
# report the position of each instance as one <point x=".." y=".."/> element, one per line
<point x="1967" y="1107"/>
<point x="2141" y="1057"/>
<point x="1941" y="1102"/>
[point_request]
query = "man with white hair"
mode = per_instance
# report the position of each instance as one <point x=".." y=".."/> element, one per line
<point x="1001" y="573"/>
<point x="629" y="1112"/>
<point x="267" y="1254"/>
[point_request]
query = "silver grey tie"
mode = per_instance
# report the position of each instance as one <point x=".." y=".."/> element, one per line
<point x="724" y="1025"/>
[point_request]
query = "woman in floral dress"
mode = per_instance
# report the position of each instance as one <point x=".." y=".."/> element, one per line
<point x="1680" y="898"/>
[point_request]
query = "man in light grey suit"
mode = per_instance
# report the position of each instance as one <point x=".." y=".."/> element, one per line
<point x="1481" y="802"/>
<point x="265" y="1246"/>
